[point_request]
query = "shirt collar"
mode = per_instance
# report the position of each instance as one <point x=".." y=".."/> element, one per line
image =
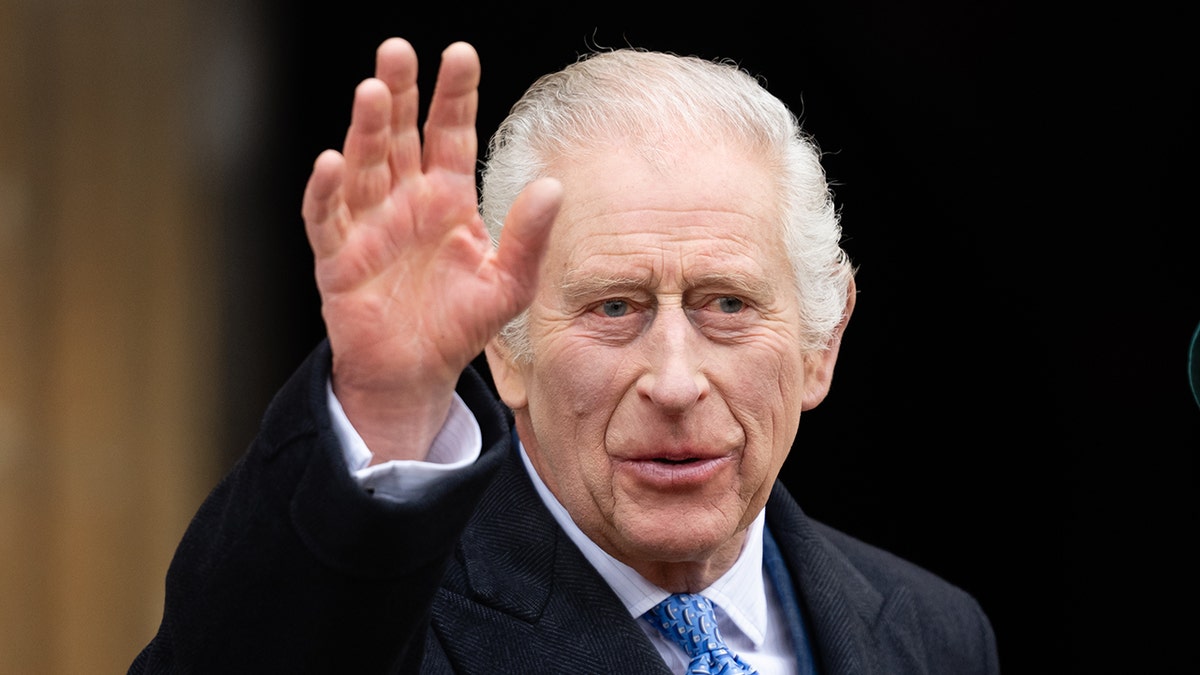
<point x="740" y="592"/>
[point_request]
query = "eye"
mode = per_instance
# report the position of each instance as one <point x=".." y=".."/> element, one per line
<point x="614" y="308"/>
<point x="730" y="305"/>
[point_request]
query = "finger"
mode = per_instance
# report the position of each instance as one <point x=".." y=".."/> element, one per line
<point x="526" y="232"/>
<point x="322" y="208"/>
<point x="396" y="66"/>
<point x="450" y="141"/>
<point x="368" y="177"/>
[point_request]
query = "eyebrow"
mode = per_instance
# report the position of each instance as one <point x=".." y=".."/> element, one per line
<point x="577" y="286"/>
<point x="738" y="283"/>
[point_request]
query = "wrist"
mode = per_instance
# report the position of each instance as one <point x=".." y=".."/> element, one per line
<point x="395" y="423"/>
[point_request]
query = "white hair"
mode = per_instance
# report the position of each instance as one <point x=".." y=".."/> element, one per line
<point x="652" y="97"/>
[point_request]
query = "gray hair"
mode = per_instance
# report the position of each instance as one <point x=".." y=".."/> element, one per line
<point x="656" y="97"/>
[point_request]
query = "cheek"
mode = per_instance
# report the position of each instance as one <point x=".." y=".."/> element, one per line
<point x="575" y="391"/>
<point x="765" y="394"/>
<point x="574" y="394"/>
<point x="577" y="381"/>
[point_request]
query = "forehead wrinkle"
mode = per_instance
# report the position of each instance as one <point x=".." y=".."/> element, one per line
<point x="577" y="211"/>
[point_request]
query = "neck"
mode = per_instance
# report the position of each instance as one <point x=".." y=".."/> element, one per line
<point x="690" y="576"/>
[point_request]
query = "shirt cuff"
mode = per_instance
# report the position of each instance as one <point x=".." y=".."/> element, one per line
<point x="458" y="444"/>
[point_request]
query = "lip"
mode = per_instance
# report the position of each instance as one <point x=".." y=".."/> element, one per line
<point x="661" y="473"/>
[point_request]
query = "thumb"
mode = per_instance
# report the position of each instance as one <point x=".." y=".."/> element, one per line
<point x="526" y="232"/>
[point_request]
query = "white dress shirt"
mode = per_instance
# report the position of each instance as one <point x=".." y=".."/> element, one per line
<point x="748" y="616"/>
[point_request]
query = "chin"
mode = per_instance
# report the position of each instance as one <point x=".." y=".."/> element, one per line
<point x="671" y="543"/>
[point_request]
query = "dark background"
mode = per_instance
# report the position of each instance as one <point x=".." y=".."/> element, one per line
<point x="1011" y="408"/>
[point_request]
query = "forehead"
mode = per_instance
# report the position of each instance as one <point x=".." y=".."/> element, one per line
<point x="698" y="202"/>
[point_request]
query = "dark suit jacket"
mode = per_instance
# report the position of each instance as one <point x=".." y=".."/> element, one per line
<point x="290" y="567"/>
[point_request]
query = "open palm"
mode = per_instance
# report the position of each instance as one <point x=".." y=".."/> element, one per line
<point x="411" y="286"/>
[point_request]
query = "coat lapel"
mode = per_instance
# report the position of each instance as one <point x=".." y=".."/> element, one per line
<point x="515" y="560"/>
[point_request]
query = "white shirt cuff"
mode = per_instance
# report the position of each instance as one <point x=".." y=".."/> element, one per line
<point x="458" y="444"/>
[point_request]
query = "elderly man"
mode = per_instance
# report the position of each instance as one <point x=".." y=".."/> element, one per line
<point x="664" y="298"/>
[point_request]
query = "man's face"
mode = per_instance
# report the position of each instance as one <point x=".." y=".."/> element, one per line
<point x="667" y="379"/>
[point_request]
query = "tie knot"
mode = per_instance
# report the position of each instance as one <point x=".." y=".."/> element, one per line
<point x="690" y="622"/>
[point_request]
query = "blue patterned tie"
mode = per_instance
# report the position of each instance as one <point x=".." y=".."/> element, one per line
<point x="688" y="620"/>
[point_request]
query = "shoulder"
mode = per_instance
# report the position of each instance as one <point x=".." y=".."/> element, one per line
<point x="886" y="570"/>
<point x="843" y="555"/>
<point x="860" y="594"/>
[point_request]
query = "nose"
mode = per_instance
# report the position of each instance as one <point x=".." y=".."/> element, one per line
<point x="674" y="380"/>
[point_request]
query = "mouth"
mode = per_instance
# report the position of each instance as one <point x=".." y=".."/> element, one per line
<point x="673" y="473"/>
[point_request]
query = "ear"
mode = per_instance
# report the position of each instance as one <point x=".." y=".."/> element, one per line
<point x="818" y="366"/>
<point x="507" y="374"/>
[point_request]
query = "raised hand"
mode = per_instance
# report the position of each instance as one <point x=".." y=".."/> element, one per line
<point x="411" y="287"/>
